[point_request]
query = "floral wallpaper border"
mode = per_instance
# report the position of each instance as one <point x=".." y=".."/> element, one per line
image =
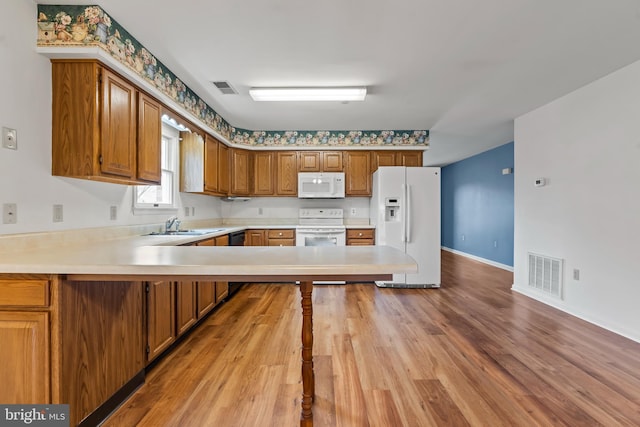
<point x="72" y="25"/>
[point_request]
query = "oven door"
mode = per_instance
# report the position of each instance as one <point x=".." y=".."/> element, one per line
<point x="308" y="236"/>
<point x="320" y="237"/>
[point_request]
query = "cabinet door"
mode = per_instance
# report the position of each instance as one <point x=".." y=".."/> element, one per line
<point x="223" y="169"/>
<point x="254" y="238"/>
<point x="222" y="290"/>
<point x="161" y="317"/>
<point x="332" y="161"/>
<point x="186" y="314"/>
<point x="410" y="158"/>
<point x="263" y="184"/>
<point x="25" y="358"/>
<point x="286" y="173"/>
<point x="358" y="173"/>
<point x="309" y="161"/>
<point x="211" y="164"/>
<point x="149" y="139"/>
<point x="206" y="297"/>
<point x="206" y="290"/>
<point x="240" y="172"/>
<point x="118" y="128"/>
<point x="383" y="158"/>
<point x="191" y="162"/>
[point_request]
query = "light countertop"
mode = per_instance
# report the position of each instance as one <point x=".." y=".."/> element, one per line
<point x="162" y="256"/>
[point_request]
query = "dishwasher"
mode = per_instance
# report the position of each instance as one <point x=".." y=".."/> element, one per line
<point x="236" y="238"/>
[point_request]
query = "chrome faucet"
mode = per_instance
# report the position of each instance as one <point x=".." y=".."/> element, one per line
<point x="170" y="222"/>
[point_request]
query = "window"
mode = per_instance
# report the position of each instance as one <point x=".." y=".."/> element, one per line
<point x="149" y="199"/>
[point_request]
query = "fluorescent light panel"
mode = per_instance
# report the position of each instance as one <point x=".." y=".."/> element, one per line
<point x="308" y="93"/>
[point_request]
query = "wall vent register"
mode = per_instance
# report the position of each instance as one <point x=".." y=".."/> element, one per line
<point x="545" y="274"/>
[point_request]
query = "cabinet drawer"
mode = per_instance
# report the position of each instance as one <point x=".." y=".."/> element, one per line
<point x="281" y="242"/>
<point x="24" y="293"/>
<point x="360" y="242"/>
<point x="281" y="234"/>
<point x="360" y="233"/>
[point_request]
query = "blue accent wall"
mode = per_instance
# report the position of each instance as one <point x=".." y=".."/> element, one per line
<point x="477" y="205"/>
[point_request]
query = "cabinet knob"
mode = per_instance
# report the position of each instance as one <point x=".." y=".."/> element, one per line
<point x="280" y="234"/>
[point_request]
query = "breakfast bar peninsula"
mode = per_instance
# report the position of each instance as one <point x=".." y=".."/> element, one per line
<point x="73" y="318"/>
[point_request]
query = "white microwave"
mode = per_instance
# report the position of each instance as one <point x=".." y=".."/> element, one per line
<point x="319" y="185"/>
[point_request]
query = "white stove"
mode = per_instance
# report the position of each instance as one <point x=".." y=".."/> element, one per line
<point x="320" y="227"/>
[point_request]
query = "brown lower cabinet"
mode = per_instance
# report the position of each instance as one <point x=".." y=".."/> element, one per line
<point x="161" y="317"/>
<point x="24" y="333"/>
<point x="271" y="237"/>
<point x="186" y="306"/>
<point x="25" y="374"/>
<point x="360" y="237"/>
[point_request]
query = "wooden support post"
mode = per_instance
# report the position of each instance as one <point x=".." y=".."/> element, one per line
<point x="308" y="380"/>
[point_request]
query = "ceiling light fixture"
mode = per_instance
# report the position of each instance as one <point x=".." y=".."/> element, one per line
<point x="308" y="93"/>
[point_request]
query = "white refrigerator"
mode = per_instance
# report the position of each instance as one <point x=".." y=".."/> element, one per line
<point x="405" y="209"/>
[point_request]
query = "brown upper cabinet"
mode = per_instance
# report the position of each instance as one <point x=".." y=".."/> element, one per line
<point x="203" y="164"/>
<point x="396" y="158"/>
<point x="275" y="173"/>
<point x="286" y="173"/>
<point x="211" y="153"/>
<point x="149" y="139"/>
<point x="320" y="161"/>
<point x="309" y="161"/>
<point x="223" y="169"/>
<point x="192" y="152"/>
<point x="103" y="127"/>
<point x="263" y="175"/>
<point x="241" y="169"/>
<point x="357" y="173"/>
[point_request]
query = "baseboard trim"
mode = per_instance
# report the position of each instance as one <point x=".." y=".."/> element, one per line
<point x="119" y="397"/>
<point x="477" y="258"/>
<point x="553" y="303"/>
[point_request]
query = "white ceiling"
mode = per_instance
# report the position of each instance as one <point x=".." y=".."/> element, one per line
<point x="464" y="69"/>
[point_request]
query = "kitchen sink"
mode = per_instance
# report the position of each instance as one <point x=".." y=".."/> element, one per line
<point x="197" y="232"/>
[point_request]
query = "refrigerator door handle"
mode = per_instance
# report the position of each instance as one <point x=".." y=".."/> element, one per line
<point x="408" y="217"/>
<point x="403" y="237"/>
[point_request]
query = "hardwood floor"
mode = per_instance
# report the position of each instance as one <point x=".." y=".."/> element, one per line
<point x="471" y="353"/>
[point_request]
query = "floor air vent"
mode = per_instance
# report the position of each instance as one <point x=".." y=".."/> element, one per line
<point x="545" y="274"/>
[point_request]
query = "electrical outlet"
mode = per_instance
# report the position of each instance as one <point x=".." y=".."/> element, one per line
<point x="9" y="213"/>
<point x="576" y="274"/>
<point x="463" y="237"/>
<point x="495" y="243"/>
<point x="353" y="211"/>
<point x="9" y="138"/>
<point x="260" y="211"/>
<point x="193" y="211"/>
<point x="113" y="213"/>
<point x="57" y="213"/>
<point x="187" y="211"/>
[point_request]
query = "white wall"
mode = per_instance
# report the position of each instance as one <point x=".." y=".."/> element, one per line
<point x="25" y="174"/>
<point x="283" y="208"/>
<point x="587" y="145"/>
